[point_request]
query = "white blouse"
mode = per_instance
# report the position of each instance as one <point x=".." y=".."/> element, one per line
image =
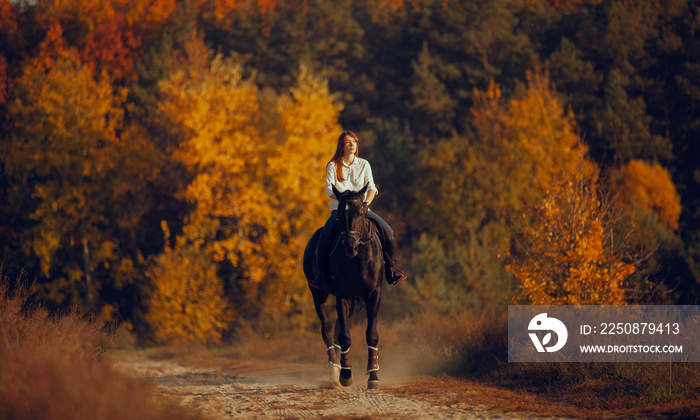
<point x="356" y="175"/>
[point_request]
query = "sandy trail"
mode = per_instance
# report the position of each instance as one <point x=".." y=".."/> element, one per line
<point x="226" y="389"/>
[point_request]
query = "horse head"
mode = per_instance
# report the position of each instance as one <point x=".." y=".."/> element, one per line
<point x="352" y="217"/>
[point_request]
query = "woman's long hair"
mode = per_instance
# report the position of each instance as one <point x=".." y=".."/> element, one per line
<point x="338" y="156"/>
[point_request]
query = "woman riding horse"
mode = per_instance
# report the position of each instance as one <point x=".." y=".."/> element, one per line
<point x="346" y="171"/>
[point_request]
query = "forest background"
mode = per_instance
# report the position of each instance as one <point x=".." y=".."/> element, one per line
<point x="162" y="162"/>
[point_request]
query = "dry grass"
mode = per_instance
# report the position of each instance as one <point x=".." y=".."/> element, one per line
<point x="474" y="349"/>
<point x="462" y="361"/>
<point x="464" y="394"/>
<point x="51" y="368"/>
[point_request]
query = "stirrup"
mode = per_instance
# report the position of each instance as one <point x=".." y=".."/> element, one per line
<point x="397" y="276"/>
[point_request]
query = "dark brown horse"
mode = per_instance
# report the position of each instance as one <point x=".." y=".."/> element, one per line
<point x="356" y="273"/>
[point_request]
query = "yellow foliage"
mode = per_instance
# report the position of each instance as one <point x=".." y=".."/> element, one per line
<point x="649" y="185"/>
<point x="257" y="162"/>
<point x="525" y="181"/>
<point x="563" y="256"/>
<point x="186" y="303"/>
<point x="539" y="137"/>
<point x="69" y="148"/>
<point x="68" y="140"/>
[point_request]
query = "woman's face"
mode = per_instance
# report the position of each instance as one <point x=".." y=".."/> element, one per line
<point x="350" y="147"/>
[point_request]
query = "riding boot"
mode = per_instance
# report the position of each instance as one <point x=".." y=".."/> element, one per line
<point x="393" y="274"/>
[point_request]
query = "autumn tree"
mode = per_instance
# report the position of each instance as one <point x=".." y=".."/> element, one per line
<point x="651" y="207"/>
<point x="649" y="186"/>
<point x="525" y="171"/>
<point x="255" y="156"/>
<point x="564" y="253"/>
<point x="308" y="117"/>
<point x="186" y="303"/>
<point x="73" y="164"/>
<point x="517" y="148"/>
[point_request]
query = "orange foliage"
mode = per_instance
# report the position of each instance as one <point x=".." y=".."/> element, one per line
<point x="8" y="17"/>
<point x="69" y="125"/>
<point x="542" y="136"/>
<point x="70" y="149"/>
<point x="649" y="185"/>
<point x="146" y="14"/>
<point x="51" y="49"/>
<point x="110" y="48"/>
<point x="87" y="13"/>
<point x="534" y="140"/>
<point x="260" y="7"/>
<point x="382" y="10"/>
<point x="104" y="30"/>
<point x="562" y="256"/>
<point x="91" y="13"/>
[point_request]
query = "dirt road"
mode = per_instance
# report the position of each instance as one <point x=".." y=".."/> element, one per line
<point x="227" y="389"/>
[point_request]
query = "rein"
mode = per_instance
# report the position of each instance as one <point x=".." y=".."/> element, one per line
<point x="357" y="236"/>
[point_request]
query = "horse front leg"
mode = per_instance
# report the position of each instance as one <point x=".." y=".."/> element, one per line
<point x="344" y="308"/>
<point x="321" y="304"/>
<point x="372" y="337"/>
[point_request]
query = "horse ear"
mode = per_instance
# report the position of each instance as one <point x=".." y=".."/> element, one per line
<point x="336" y="192"/>
<point x="364" y="189"/>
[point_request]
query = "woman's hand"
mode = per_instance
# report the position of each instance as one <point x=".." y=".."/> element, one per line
<point x="370" y="197"/>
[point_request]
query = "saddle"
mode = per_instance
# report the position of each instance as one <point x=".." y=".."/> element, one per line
<point x="382" y="234"/>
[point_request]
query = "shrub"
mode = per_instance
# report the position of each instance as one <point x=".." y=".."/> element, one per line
<point x="52" y="368"/>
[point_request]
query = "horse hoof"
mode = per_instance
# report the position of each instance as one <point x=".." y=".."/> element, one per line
<point x="373" y="384"/>
<point x="345" y="381"/>
<point x="333" y="375"/>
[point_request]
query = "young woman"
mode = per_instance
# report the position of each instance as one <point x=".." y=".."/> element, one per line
<point x="347" y="171"/>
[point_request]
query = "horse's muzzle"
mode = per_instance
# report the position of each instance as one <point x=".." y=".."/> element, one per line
<point x="350" y="247"/>
<point x="351" y="243"/>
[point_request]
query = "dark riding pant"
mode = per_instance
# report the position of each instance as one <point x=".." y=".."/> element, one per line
<point x="385" y="225"/>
